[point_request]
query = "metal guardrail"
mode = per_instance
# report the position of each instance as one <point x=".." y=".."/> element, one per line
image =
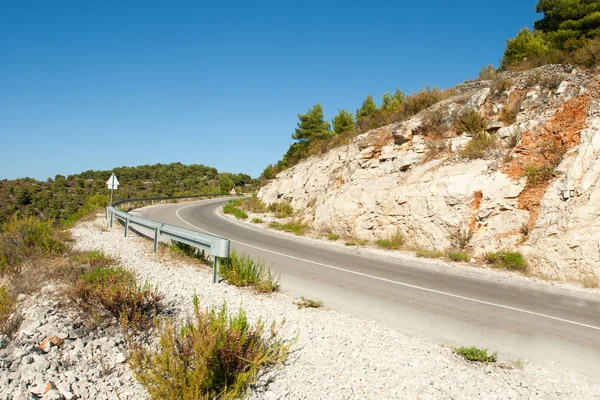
<point x="216" y="246"/>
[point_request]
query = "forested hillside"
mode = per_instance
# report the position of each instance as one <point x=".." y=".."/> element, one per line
<point x="62" y="197"/>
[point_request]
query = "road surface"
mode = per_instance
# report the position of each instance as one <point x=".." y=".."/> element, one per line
<point x="521" y="320"/>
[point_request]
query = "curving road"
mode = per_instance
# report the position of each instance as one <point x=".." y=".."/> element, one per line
<point x="456" y="306"/>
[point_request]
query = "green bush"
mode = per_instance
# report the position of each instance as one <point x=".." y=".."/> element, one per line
<point x="536" y="174"/>
<point x="426" y="253"/>
<point x="94" y="258"/>
<point x="187" y="251"/>
<point x="475" y="354"/>
<point x="333" y="236"/>
<point x="470" y="121"/>
<point x="479" y="147"/>
<point x="231" y="208"/>
<point x="281" y="209"/>
<point x="458" y="256"/>
<point x="212" y="355"/>
<point x="507" y="260"/>
<point x="242" y="270"/>
<point x="309" y="303"/>
<point x="117" y="290"/>
<point x="394" y="242"/>
<point x="25" y="238"/>
<point x="91" y="205"/>
<point x="294" y="227"/>
<point x="257" y="220"/>
<point x="7" y="307"/>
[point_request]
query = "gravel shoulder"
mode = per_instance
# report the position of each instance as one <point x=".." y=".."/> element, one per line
<point x="336" y="355"/>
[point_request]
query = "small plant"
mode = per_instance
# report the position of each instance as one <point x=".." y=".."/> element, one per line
<point x="461" y="237"/>
<point x="502" y="85"/>
<point x="509" y="113"/>
<point x="187" y="251"/>
<point x="118" y="291"/>
<point x="312" y="202"/>
<point x="231" y="208"/>
<point x="94" y="258"/>
<point x="479" y="146"/>
<point x="524" y="229"/>
<point x="507" y="158"/>
<point x="212" y="355"/>
<point x="426" y="253"/>
<point x="25" y="238"/>
<point x="349" y="244"/>
<point x="333" y="236"/>
<point x="507" y="260"/>
<point x="394" y="242"/>
<point x="458" y="256"/>
<point x="253" y="204"/>
<point x="7" y="307"/>
<point x="257" y="220"/>
<point x="475" y="354"/>
<point x="281" y="209"/>
<point x="309" y="303"/>
<point x="487" y="73"/>
<point x="242" y="270"/>
<point x="294" y="227"/>
<point x="590" y="282"/>
<point x="536" y="174"/>
<point x="551" y="82"/>
<point x="471" y="122"/>
<point x="514" y="139"/>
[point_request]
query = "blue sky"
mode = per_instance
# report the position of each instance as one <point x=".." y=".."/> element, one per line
<point x="102" y="84"/>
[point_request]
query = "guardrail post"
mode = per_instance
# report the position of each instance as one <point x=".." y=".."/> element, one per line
<point x="112" y="215"/>
<point x="156" y="233"/>
<point x="126" y="226"/>
<point x="215" y="269"/>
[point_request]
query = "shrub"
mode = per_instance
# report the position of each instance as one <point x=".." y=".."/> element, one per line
<point x="487" y="73"/>
<point x="502" y="85"/>
<point x="212" y="355"/>
<point x="479" y="147"/>
<point x="509" y="113"/>
<point x="187" y="251"/>
<point x="333" y="236"/>
<point x="117" y="290"/>
<point x="426" y="253"/>
<point x="514" y="139"/>
<point x="231" y="208"/>
<point x="7" y="307"/>
<point x="242" y="270"/>
<point x="257" y="221"/>
<point x="253" y="204"/>
<point x="309" y="303"/>
<point x="393" y="242"/>
<point x="91" y="204"/>
<point x="294" y="227"/>
<point x="24" y="238"/>
<point x="461" y="237"/>
<point x="94" y="258"/>
<point x="458" y="256"/>
<point x="470" y="121"/>
<point x="281" y="209"/>
<point x="475" y="354"/>
<point x="507" y="260"/>
<point x="421" y="100"/>
<point x="590" y="282"/>
<point x="537" y="174"/>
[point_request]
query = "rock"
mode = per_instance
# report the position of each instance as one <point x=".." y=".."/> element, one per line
<point x="494" y="126"/>
<point x="403" y="132"/>
<point x="119" y="359"/>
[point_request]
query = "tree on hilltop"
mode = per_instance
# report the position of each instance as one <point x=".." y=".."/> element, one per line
<point x="368" y="108"/>
<point x="343" y="122"/>
<point x="312" y="125"/>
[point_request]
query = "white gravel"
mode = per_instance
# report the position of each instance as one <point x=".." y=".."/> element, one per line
<point x="338" y="356"/>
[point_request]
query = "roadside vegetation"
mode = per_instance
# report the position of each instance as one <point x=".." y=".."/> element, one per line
<point x="295" y="227"/>
<point x="513" y="261"/>
<point x="309" y="303"/>
<point x="214" y="354"/>
<point x="475" y="354"/>
<point x="242" y="270"/>
<point x="394" y="242"/>
<point x="233" y="208"/>
<point x="7" y="307"/>
<point x="68" y="198"/>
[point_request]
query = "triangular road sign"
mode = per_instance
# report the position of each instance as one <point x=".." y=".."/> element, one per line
<point x="232" y="191"/>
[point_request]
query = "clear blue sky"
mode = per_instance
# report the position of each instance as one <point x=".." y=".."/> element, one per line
<point x="102" y="84"/>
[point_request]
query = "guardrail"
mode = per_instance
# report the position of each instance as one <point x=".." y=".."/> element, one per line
<point x="216" y="246"/>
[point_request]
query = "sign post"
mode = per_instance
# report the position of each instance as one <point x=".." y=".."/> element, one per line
<point x="112" y="183"/>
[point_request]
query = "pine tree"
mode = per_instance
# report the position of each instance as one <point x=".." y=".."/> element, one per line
<point x="368" y="108"/>
<point x="312" y="125"/>
<point x="343" y="122"/>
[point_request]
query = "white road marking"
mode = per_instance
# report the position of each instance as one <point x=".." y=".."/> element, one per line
<point x="456" y="296"/>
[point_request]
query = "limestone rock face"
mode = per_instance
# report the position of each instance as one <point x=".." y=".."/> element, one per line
<point x="390" y="179"/>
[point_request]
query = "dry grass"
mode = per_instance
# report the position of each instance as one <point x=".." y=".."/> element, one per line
<point x="590" y="282"/>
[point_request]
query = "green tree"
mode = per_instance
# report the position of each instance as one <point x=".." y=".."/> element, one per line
<point x="525" y="44"/>
<point x="568" y="19"/>
<point x="368" y="108"/>
<point x="312" y="125"/>
<point x="343" y="122"/>
<point x="390" y="102"/>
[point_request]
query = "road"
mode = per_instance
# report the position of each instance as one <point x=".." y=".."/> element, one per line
<point x="455" y="306"/>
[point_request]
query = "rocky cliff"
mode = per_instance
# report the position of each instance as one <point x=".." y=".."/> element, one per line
<point x="528" y="181"/>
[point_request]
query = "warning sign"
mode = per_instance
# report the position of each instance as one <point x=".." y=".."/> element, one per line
<point x="233" y="191"/>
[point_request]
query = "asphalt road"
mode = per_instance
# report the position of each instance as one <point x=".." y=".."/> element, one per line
<point x="453" y="306"/>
